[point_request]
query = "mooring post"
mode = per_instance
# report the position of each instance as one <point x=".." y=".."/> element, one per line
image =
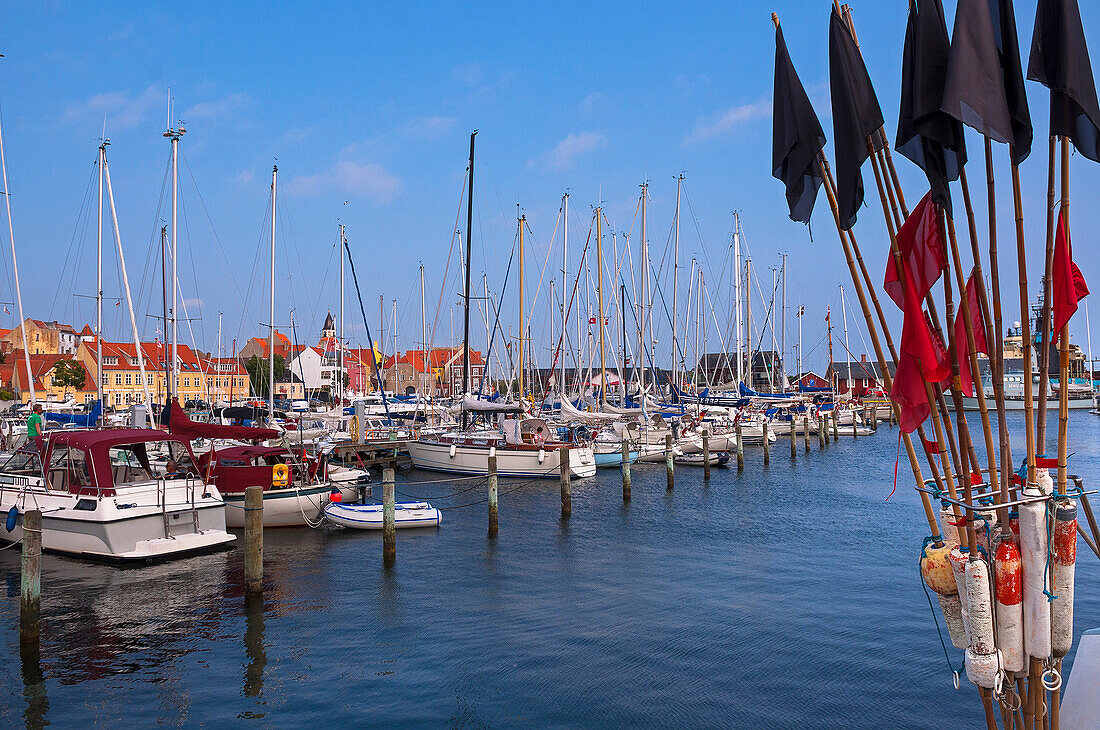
<point x="493" y="513"/>
<point x="767" y="445"/>
<point x="254" y="539"/>
<point x="624" y="467"/>
<point x="668" y="460"/>
<point x="794" y="434"/>
<point x="706" y="454"/>
<point x="566" y="490"/>
<point x="740" y="450"/>
<point x="820" y="432"/>
<point x="30" y="584"/>
<point x="806" y="431"/>
<point x="874" y="418"/>
<point x="855" y="417"/>
<point x="836" y="426"/>
<point x="389" y="517"/>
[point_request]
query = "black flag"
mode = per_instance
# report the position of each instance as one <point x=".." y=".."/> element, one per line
<point x="856" y="116"/>
<point x="974" y="91"/>
<point x="1004" y="27"/>
<point x="931" y="139"/>
<point x="1060" y="61"/>
<point x="796" y="136"/>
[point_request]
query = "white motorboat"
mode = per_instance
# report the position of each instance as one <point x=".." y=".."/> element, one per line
<point x="717" y="458"/>
<point x="369" y="516"/>
<point x="102" y="499"/>
<point x="517" y="448"/>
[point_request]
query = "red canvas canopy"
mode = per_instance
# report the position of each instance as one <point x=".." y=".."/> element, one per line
<point x="180" y="425"/>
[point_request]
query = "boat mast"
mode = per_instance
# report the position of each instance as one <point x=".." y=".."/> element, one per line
<point x="676" y="285"/>
<point x="174" y="134"/>
<point x="393" y="326"/>
<point x="644" y="292"/>
<point x="748" y="317"/>
<point x="164" y="312"/>
<point x="829" y="321"/>
<point x="848" y="353"/>
<point x="625" y="360"/>
<point x="98" y="280"/>
<point x="522" y="220"/>
<point x="771" y="318"/>
<point x="698" y="318"/>
<point x="15" y="273"/>
<point x="271" y="312"/>
<point x="599" y="304"/>
<point x="564" y="287"/>
<point x="341" y="358"/>
<point x="221" y="353"/>
<point x="466" y="290"/>
<point x="737" y="293"/>
<point x="801" y="311"/>
<point x="783" y="329"/>
<point x="424" y="336"/>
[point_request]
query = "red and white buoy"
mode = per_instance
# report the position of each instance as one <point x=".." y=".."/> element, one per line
<point x="958" y="567"/>
<point x="1009" y="606"/>
<point x="981" y="656"/>
<point x="1033" y="557"/>
<point x="1064" y="556"/>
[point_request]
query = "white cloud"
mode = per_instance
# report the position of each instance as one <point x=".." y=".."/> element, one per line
<point x="566" y="152"/>
<point x="245" y="177"/>
<point x="716" y="126"/>
<point x="429" y="127"/>
<point x="591" y="102"/>
<point x="227" y="106"/>
<point x="122" y="109"/>
<point x="348" y="177"/>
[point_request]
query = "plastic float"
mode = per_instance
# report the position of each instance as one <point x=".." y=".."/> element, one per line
<point x="982" y="664"/>
<point x="1063" y="557"/>
<point x="1009" y="606"/>
<point x="1033" y="556"/>
<point x="935" y="568"/>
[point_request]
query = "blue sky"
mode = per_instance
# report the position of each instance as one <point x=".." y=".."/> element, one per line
<point x="374" y="105"/>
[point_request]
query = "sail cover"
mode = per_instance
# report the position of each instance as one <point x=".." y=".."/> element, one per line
<point x="88" y="420"/>
<point x="179" y="424"/>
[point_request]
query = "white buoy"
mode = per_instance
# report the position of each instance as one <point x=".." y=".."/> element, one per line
<point x="981" y="655"/>
<point x="1009" y="606"/>
<point x="1033" y="559"/>
<point x="948" y="531"/>
<point x="958" y="567"/>
<point x="951" y="608"/>
<point x="1064" y="557"/>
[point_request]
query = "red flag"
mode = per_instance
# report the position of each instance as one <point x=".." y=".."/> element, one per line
<point x="908" y="392"/>
<point x="966" y="382"/>
<point x="1069" y="284"/>
<point x="922" y="358"/>
<point x="920" y="243"/>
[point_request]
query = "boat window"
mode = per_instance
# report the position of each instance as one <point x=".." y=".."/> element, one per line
<point x="69" y="469"/>
<point x="24" y="462"/>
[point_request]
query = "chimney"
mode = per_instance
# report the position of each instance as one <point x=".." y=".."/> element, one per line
<point x="863" y="357"/>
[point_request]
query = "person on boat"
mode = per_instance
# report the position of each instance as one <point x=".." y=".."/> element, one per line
<point x="34" y="423"/>
<point x="173" y="471"/>
<point x="540" y="437"/>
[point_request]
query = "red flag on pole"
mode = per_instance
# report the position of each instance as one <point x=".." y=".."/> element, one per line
<point x="1069" y="285"/>
<point x="920" y="243"/>
<point x="922" y="359"/>
<point x="963" y="346"/>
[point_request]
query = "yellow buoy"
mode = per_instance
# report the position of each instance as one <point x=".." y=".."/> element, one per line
<point x="935" y="566"/>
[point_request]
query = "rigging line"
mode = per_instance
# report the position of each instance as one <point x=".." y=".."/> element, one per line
<point x="496" y="310"/>
<point x="86" y="202"/>
<point x="447" y="268"/>
<point x="366" y="325"/>
<point x="255" y="265"/>
<point x="284" y="224"/>
<point x="195" y="276"/>
<point x="152" y="254"/>
<point x="542" y="273"/>
<point x="210" y="221"/>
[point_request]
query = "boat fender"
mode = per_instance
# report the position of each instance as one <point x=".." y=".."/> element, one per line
<point x="335" y="495"/>
<point x="1009" y="605"/>
<point x="13" y="518"/>
<point x="280" y="475"/>
<point x="935" y="566"/>
<point x="1033" y="559"/>
<point x="492" y="451"/>
<point x="951" y="608"/>
<point x="453" y="450"/>
<point x="948" y="531"/>
<point x="1064" y="556"/>
<point x="958" y="557"/>
<point x="542" y="455"/>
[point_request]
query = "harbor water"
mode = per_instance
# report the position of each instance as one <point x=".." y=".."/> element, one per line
<point x="778" y="597"/>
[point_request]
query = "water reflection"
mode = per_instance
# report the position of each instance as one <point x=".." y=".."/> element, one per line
<point x="34" y="684"/>
<point x="255" y="648"/>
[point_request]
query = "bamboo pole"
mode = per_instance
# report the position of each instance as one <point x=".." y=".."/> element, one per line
<point x="1044" y="319"/>
<point x="996" y="358"/>
<point x="1063" y="341"/>
<point x="1025" y="323"/>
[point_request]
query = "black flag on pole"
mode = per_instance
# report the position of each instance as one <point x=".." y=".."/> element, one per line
<point x="796" y="136"/>
<point x="1060" y="61"/>
<point x="1004" y="28"/>
<point x="856" y="116"/>
<point x="974" y="91"/>
<point x="930" y="138"/>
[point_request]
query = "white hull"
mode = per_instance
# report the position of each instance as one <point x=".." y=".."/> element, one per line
<point x="369" y="516"/>
<point x="140" y="523"/>
<point x="292" y="507"/>
<point x="472" y="459"/>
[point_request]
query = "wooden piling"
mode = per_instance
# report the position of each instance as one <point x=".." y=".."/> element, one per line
<point x="767" y="446"/>
<point x="855" y="435"/>
<point x="566" y="490"/>
<point x="624" y="467"/>
<point x="706" y="454"/>
<point x="793" y="435"/>
<point x="668" y="460"/>
<point x="740" y="448"/>
<point x="389" y="518"/>
<point x="836" y="424"/>
<point x="820" y="433"/>
<point x="30" y="584"/>
<point x="806" y="431"/>
<point x="874" y="419"/>
<point x="254" y="539"/>
<point x="493" y="506"/>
